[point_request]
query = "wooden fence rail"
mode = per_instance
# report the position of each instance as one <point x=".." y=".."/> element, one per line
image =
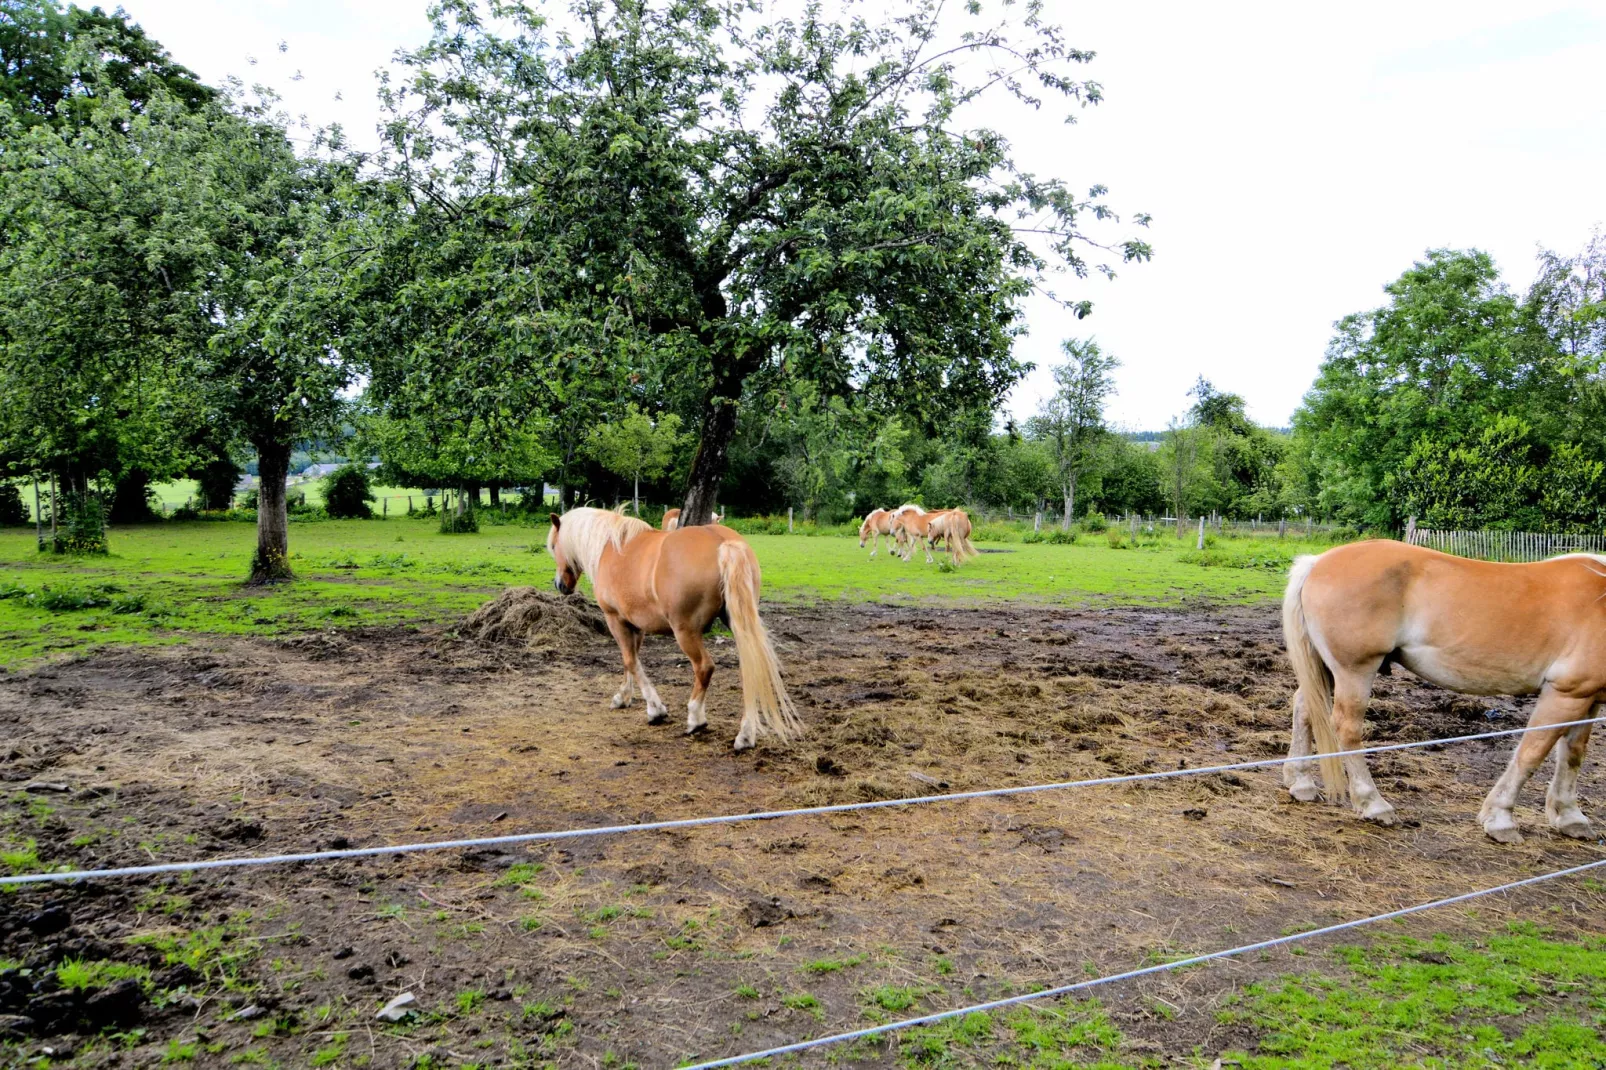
<point x="1506" y="545"/>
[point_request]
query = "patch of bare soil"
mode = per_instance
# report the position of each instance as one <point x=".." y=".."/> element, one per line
<point x="651" y="947"/>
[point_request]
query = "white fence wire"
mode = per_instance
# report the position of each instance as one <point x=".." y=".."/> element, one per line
<point x="759" y="815"/>
<point x="1177" y="964"/>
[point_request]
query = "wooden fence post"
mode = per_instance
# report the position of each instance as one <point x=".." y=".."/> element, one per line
<point x="1037" y="521"/>
<point x="1410" y="530"/>
<point x="789" y="520"/>
<point x="384" y="507"/>
<point x="1282" y="527"/>
<point x="1201" y="534"/>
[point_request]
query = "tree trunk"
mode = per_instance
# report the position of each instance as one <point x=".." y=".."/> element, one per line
<point x="708" y="467"/>
<point x="496" y="495"/>
<point x="272" y="561"/>
<point x="1068" y="493"/>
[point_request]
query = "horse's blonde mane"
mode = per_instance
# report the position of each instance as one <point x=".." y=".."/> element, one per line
<point x="585" y="532"/>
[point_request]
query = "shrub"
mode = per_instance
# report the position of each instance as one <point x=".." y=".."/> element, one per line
<point x="1116" y="537"/>
<point x="248" y="500"/>
<point x="82" y="530"/>
<point x="1094" y="523"/>
<point x="453" y="523"/>
<point x="346" y="493"/>
<point x="215" y="482"/>
<point x="12" y="513"/>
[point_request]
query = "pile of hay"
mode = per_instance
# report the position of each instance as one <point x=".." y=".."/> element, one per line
<point x="535" y="618"/>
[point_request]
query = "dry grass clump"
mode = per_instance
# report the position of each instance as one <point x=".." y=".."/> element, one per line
<point x="534" y="618"/>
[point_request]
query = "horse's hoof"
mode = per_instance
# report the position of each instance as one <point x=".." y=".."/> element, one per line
<point x="693" y="729"/>
<point x="1305" y="791"/>
<point x="657" y="716"/>
<point x="742" y="744"/>
<point x="618" y="703"/>
<point x="1381" y="813"/>
<point x="1573" y="824"/>
<point x="1502" y="831"/>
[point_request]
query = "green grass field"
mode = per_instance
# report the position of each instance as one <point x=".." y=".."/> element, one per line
<point x="163" y="582"/>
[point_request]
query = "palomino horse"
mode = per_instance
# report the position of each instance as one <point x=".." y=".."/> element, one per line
<point x="677" y="581"/>
<point x="1471" y="626"/>
<point x="881" y="522"/>
<point x="952" y="526"/>
<point x="672" y="519"/>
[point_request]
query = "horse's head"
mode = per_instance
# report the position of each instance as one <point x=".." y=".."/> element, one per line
<point x="568" y="572"/>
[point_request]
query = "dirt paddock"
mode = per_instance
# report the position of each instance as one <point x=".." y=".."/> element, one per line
<point x="649" y="948"/>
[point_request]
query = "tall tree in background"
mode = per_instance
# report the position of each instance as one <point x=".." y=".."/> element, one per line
<point x="1071" y="420"/>
<point x="794" y="193"/>
<point x="635" y="445"/>
<point x="55" y="62"/>
<point x="1451" y="352"/>
<point x="274" y="224"/>
<point x="98" y="312"/>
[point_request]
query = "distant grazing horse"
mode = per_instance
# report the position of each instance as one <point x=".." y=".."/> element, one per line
<point x="1471" y="626"/>
<point x="951" y="526"/>
<point x="875" y="526"/>
<point x="672" y="519"/>
<point x="911" y="526"/>
<point x="680" y="582"/>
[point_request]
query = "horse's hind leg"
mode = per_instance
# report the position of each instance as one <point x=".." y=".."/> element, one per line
<point x="1351" y="692"/>
<point x="1552" y="708"/>
<point x="702" y="667"/>
<point x="629" y="640"/>
<point x="1298" y="775"/>
<point x="1561" y="802"/>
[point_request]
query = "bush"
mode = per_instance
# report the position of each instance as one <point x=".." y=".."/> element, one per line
<point x="1094" y="523"/>
<point x="12" y="513"/>
<point x="453" y="523"/>
<point x="215" y="482"/>
<point x="346" y="493"/>
<point x="82" y="530"/>
<point x="1116" y="537"/>
<point x="248" y="500"/>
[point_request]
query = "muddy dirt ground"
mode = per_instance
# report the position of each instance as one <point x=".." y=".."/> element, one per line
<point x="649" y="948"/>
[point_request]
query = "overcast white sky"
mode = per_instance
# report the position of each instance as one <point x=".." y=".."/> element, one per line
<point x="1295" y="157"/>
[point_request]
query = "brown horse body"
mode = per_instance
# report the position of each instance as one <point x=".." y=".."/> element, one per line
<point x="951" y="527"/>
<point x="672" y="519"/>
<point x="676" y="582"/>
<point x="876" y="526"/>
<point x="1470" y="626"/>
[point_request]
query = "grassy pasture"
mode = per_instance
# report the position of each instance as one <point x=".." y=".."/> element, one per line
<point x="1396" y="1001"/>
<point x="165" y="581"/>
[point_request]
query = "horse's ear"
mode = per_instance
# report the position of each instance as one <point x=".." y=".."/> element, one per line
<point x="556" y="519"/>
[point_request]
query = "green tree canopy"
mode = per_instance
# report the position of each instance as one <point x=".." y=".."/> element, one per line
<point x="636" y="445"/>
<point x="723" y="191"/>
<point x="1071" y="420"/>
<point x="1452" y="350"/>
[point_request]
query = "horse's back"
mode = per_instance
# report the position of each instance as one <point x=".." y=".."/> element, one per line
<point x="1477" y="626"/>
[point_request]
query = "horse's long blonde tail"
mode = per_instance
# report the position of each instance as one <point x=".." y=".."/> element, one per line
<point x="1315" y="681"/>
<point x="966" y="550"/>
<point x="764" y="696"/>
